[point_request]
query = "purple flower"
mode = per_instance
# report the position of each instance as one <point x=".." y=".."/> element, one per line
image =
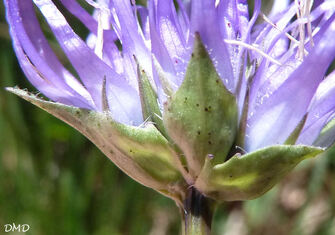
<point x="275" y="72"/>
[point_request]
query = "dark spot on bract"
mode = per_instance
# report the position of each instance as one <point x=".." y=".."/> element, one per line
<point x="199" y="132"/>
<point x="231" y="176"/>
<point x="209" y="142"/>
<point x="197" y="105"/>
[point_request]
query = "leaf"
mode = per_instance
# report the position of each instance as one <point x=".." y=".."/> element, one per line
<point x="249" y="176"/>
<point x="201" y="117"/>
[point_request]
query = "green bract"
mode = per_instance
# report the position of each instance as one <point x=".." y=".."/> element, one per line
<point x="141" y="152"/>
<point x="249" y="176"/>
<point x="201" y="117"/>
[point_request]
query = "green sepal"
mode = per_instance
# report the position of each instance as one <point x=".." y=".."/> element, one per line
<point x="149" y="101"/>
<point x="248" y="176"/>
<point x="296" y="132"/>
<point x="141" y="152"/>
<point x="201" y="117"/>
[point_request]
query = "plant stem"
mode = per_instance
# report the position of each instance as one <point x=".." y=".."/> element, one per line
<point x="197" y="213"/>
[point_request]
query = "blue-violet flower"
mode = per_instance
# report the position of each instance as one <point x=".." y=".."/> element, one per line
<point x="188" y="93"/>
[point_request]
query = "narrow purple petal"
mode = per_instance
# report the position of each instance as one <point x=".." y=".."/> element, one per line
<point x="184" y="19"/>
<point x="34" y="49"/>
<point x="144" y="16"/>
<point x="321" y="108"/>
<point x="242" y="60"/>
<point x="157" y="46"/>
<point x="90" y="68"/>
<point x="311" y="132"/>
<point x="168" y="43"/>
<point x="170" y="32"/>
<point x="277" y="117"/>
<point x="76" y="10"/>
<point x="130" y="34"/>
<point x="109" y="36"/>
<point x="327" y="139"/>
<point x="268" y="33"/>
<point x="204" y="16"/>
<point x="124" y="104"/>
<point x="233" y="18"/>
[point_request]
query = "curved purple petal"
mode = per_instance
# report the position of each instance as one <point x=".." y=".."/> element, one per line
<point x="75" y="9"/>
<point x="90" y="68"/>
<point x="277" y="117"/>
<point x="321" y="109"/>
<point x="36" y="55"/>
<point x="110" y="53"/>
<point x="327" y="137"/>
<point x="130" y="34"/>
<point x="168" y="42"/>
<point x="158" y="48"/>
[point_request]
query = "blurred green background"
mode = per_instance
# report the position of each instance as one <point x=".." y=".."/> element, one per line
<point x="55" y="180"/>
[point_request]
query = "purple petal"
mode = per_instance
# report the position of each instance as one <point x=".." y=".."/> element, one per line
<point x="327" y="137"/>
<point x="33" y="49"/>
<point x="144" y="16"/>
<point x="266" y="36"/>
<point x="311" y="132"/>
<point x="76" y="10"/>
<point x="130" y="33"/>
<point x="277" y="117"/>
<point x="321" y="108"/>
<point x="233" y="18"/>
<point x="157" y="46"/>
<point x="184" y="18"/>
<point x="90" y="68"/>
<point x="269" y="78"/>
<point x="170" y="32"/>
<point x="168" y="43"/>
<point x="110" y="51"/>
<point x="204" y="17"/>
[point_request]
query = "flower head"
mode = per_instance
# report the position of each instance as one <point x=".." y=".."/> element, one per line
<point x="196" y="85"/>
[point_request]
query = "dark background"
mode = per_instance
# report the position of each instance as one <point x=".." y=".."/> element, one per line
<point x="55" y="180"/>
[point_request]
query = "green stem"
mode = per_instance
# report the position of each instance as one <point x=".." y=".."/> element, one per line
<point x="197" y="214"/>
